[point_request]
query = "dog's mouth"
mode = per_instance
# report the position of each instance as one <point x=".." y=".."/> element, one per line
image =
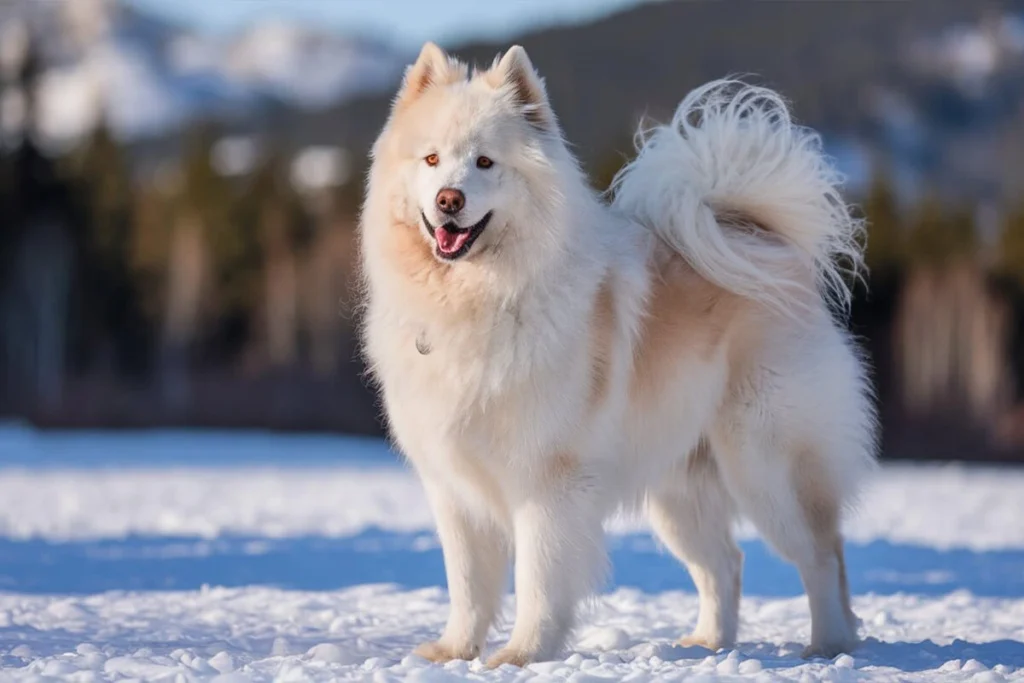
<point x="454" y="241"/>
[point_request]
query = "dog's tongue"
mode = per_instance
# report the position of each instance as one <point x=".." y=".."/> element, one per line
<point x="450" y="242"/>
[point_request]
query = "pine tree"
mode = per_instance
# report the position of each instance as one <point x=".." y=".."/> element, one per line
<point x="885" y="243"/>
<point x="149" y="243"/>
<point x="101" y="173"/>
<point x="940" y="235"/>
<point x="209" y="201"/>
<point x="280" y="277"/>
<point x="40" y="254"/>
<point x="1010" y="260"/>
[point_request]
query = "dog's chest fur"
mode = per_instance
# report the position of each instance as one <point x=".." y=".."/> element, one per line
<point x="498" y="385"/>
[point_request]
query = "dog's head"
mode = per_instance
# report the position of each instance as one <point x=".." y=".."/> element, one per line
<point x="473" y="162"/>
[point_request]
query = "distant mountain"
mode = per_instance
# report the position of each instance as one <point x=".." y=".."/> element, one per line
<point x="148" y="76"/>
<point x="932" y="88"/>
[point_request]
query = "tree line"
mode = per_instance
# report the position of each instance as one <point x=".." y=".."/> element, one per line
<point x="117" y="275"/>
<point x="181" y="294"/>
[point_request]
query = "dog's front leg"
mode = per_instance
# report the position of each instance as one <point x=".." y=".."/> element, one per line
<point x="476" y="554"/>
<point x="560" y="558"/>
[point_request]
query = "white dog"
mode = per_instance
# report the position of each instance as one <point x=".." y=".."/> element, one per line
<point x="547" y="359"/>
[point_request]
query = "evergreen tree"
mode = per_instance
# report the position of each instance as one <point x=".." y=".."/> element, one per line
<point x="1010" y="260"/>
<point x="284" y="232"/>
<point x="885" y="247"/>
<point x="99" y="172"/>
<point x="41" y="248"/>
<point x="940" y="235"/>
<point x="151" y="227"/>
<point x="208" y="199"/>
<point x="105" y="188"/>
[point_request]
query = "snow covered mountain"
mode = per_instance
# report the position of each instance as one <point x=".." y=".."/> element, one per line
<point x="146" y="75"/>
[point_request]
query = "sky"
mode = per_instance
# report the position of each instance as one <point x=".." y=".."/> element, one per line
<point x="406" y="23"/>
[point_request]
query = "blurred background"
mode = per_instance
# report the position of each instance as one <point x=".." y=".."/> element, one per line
<point x="179" y="186"/>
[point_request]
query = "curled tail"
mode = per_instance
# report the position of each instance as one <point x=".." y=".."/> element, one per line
<point x="746" y="196"/>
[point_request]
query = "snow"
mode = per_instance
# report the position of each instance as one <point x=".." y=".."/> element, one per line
<point x="234" y="155"/>
<point x="320" y="167"/>
<point x="970" y="54"/>
<point x="973" y="52"/>
<point x="111" y="80"/>
<point x="201" y="556"/>
<point x="303" y="66"/>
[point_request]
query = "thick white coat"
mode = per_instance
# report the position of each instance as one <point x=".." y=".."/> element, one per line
<point x="673" y="350"/>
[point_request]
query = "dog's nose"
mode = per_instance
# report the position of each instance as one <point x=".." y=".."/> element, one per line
<point x="450" y="200"/>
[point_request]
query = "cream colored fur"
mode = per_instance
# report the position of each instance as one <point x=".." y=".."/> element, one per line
<point x="672" y="351"/>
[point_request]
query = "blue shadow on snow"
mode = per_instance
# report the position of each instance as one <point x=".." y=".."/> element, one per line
<point x="413" y="560"/>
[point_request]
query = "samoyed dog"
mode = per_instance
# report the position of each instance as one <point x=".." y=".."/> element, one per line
<point x="547" y="358"/>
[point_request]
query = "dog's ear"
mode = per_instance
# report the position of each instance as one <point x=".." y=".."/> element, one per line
<point x="432" y="67"/>
<point x="515" y="73"/>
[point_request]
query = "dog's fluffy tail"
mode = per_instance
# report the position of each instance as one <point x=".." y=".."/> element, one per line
<point x="747" y="197"/>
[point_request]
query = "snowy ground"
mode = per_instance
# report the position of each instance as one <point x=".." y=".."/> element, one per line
<point x="192" y="556"/>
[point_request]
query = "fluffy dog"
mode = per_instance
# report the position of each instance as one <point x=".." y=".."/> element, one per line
<point x="547" y="358"/>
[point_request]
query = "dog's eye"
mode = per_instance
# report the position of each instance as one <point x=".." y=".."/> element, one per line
<point x="431" y="160"/>
<point x="484" y="162"/>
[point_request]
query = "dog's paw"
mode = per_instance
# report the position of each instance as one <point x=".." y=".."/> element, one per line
<point x="509" y="655"/>
<point x="706" y="642"/>
<point x="829" y="650"/>
<point x="440" y="653"/>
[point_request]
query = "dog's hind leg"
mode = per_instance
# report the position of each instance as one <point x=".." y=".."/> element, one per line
<point x="794" y="502"/>
<point x="692" y="515"/>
